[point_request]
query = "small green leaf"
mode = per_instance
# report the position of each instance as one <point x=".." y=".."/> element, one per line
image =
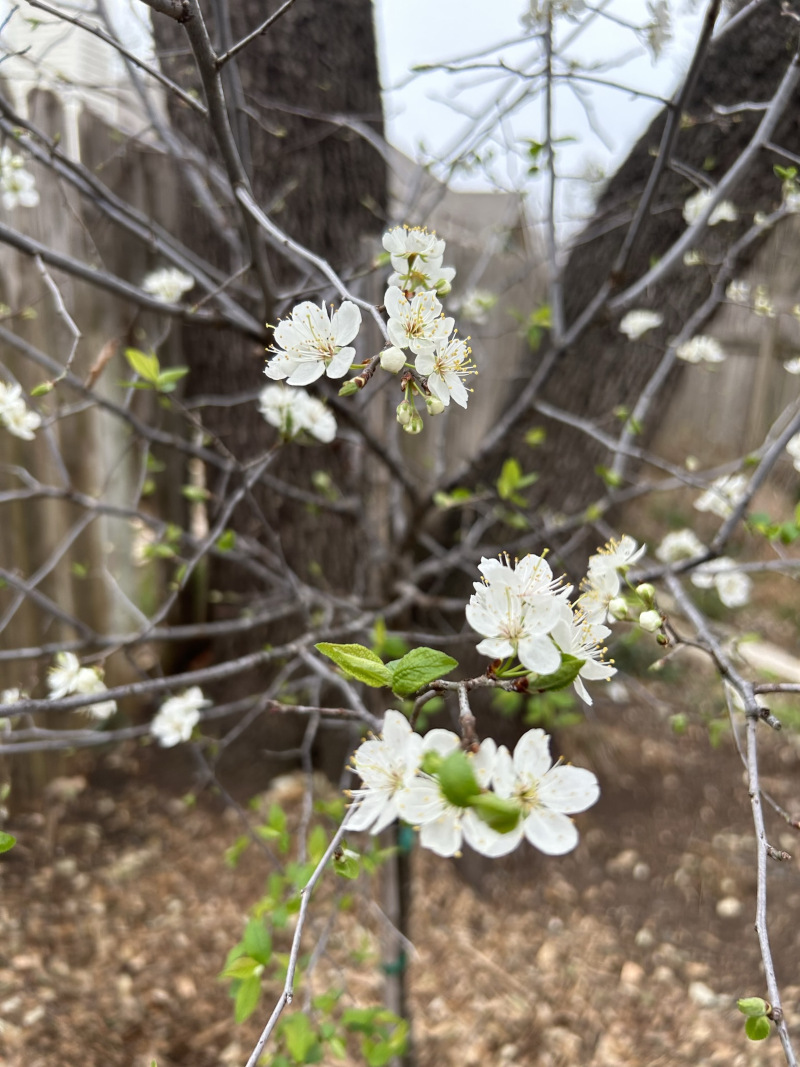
<point x="418" y="668"/>
<point x="611" y="478"/>
<point x="535" y="436"/>
<point x="561" y="678"/>
<point x="498" y="812"/>
<point x="226" y="541"/>
<point x="168" y="379"/>
<point x="196" y="494"/>
<point x="300" y="1038"/>
<point x="257" y="941"/>
<point x="317" y="843"/>
<point x="43" y="389"/>
<point x="346" y="865"/>
<point x="360" y="662"/>
<point x="241" y="968"/>
<point x="246" y="998"/>
<point x="752" y="1007"/>
<point x="6" y="841"/>
<point x="146" y="367"/>
<point x="457" y="779"/>
<point x="757" y="1029"/>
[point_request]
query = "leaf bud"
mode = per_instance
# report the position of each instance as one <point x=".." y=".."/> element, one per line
<point x="349" y="388"/>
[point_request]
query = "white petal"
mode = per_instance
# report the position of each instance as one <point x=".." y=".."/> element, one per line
<point x="569" y="789"/>
<point x="550" y="832"/>
<point x="532" y="755"/>
<point x="386" y="816"/>
<point x="421" y="802"/>
<point x="503" y="777"/>
<point x="346" y="323"/>
<point x="539" y="654"/>
<point x="307" y="372"/>
<point x="341" y="362"/>
<point x="487" y="841"/>
<point x="483" y="762"/>
<point x="371" y="805"/>
<point x="444" y="835"/>
<point x="442" y="741"/>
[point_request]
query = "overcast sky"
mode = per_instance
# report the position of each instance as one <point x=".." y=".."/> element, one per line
<point x="421" y="119"/>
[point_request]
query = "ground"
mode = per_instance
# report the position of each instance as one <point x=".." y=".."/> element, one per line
<point x="117" y="911"/>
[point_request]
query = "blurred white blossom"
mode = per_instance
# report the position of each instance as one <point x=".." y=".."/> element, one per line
<point x="701" y="349"/>
<point x="168" y="284"/>
<point x="694" y="207"/>
<point x="294" y="412"/>
<point x="638" y="322"/>
<point x="17" y="185"/>
<point x="178" y="716"/>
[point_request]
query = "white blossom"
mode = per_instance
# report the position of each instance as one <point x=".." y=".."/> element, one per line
<point x="733" y="587"/>
<point x="68" y="677"/>
<point x="638" y="322"/>
<point x="168" y="284"/>
<point x="177" y="717"/>
<point x="405" y="243"/>
<point x="310" y="343"/>
<point x="420" y="277"/>
<point x="738" y="291"/>
<point x="443" y="826"/>
<point x="792" y="366"/>
<point x="294" y="412"/>
<point x="701" y="349"/>
<point x="678" y="545"/>
<point x="12" y="696"/>
<point x="418" y="323"/>
<point x="762" y="303"/>
<point x="547" y="795"/>
<point x="694" y="207"/>
<point x="17" y="185"/>
<point x="579" y="637"/>
<point x="444" y="368"/>
<point x="650" y="621"/>
<point x="723" y="495"/>
<point x="693" y="258"/>
<point x="516" y="608"/>
<point x="793" y="448"/>
<point x="15" y="415"/>
<point x="386" y="765"/>
<point x="476" y="305"/>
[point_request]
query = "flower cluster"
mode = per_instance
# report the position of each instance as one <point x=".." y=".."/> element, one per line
<point x="638" y="322"/>
<point x="701" y="349"/>
<point x="487" y="798"/>
<point x="68" y="678"/>
<point x="314" y="342"/>
<point x="525" y="613"/>
<point x="168" y="284"/>
<point x="694" y="207"/>
<point x="295" y="414"/>
<point x="17" y="185"/>
<point x="15" y="415"/>
<point x="724" y="495"/>
<point x="177" y="717"/>
<point x="733" y="586"/>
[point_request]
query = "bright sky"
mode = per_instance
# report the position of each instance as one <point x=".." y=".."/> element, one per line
<point x="420" y="109"/>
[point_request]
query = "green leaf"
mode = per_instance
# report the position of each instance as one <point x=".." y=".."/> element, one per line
<point x="43" y="389"/>
<point x="257" y="941"/>
<point x="361" y="663"/>
<point x="246" y="998"/>
<point x="226" y="541"/>
<point x="535" y="436"/>
<point x="146" y="367"/>
<point x="561" y="678"/>
<point x="457" y="779"/>
<point x="752" y="1007"/>
<point x="242" y="968"/>
<point x="300" y="1038"/>
<point x="757" y="1029"/>
<point x="611" y="478"/>
<point x="317" y="843"/>
<point x="346" y="865"/>
<point x="196" y="494"/>
<point x="168" y="379"/>
<point x="6" y="841"/>
<point x="498" y="812"/>
<point x="418" y="668"/>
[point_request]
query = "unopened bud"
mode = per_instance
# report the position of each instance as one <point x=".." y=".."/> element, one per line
<point x="393" y="359"/>
<point x="414" y="425"/>
<point x="646" y="593"/>
<point x="434" y="405"/>
<point x="404" y="413"/>
<point x="650" y="621"/>
<point x="618" y="607"/>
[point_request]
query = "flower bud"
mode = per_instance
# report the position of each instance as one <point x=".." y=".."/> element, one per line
<point x="646" y="593"/>
<point x="434" y="405"/>
<point x="650" y="621"/>
<point x="404" y="412"/>
<point x="618" y="607"/>
<point x="393" y="359"/>
<point x="414" y="425"/>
